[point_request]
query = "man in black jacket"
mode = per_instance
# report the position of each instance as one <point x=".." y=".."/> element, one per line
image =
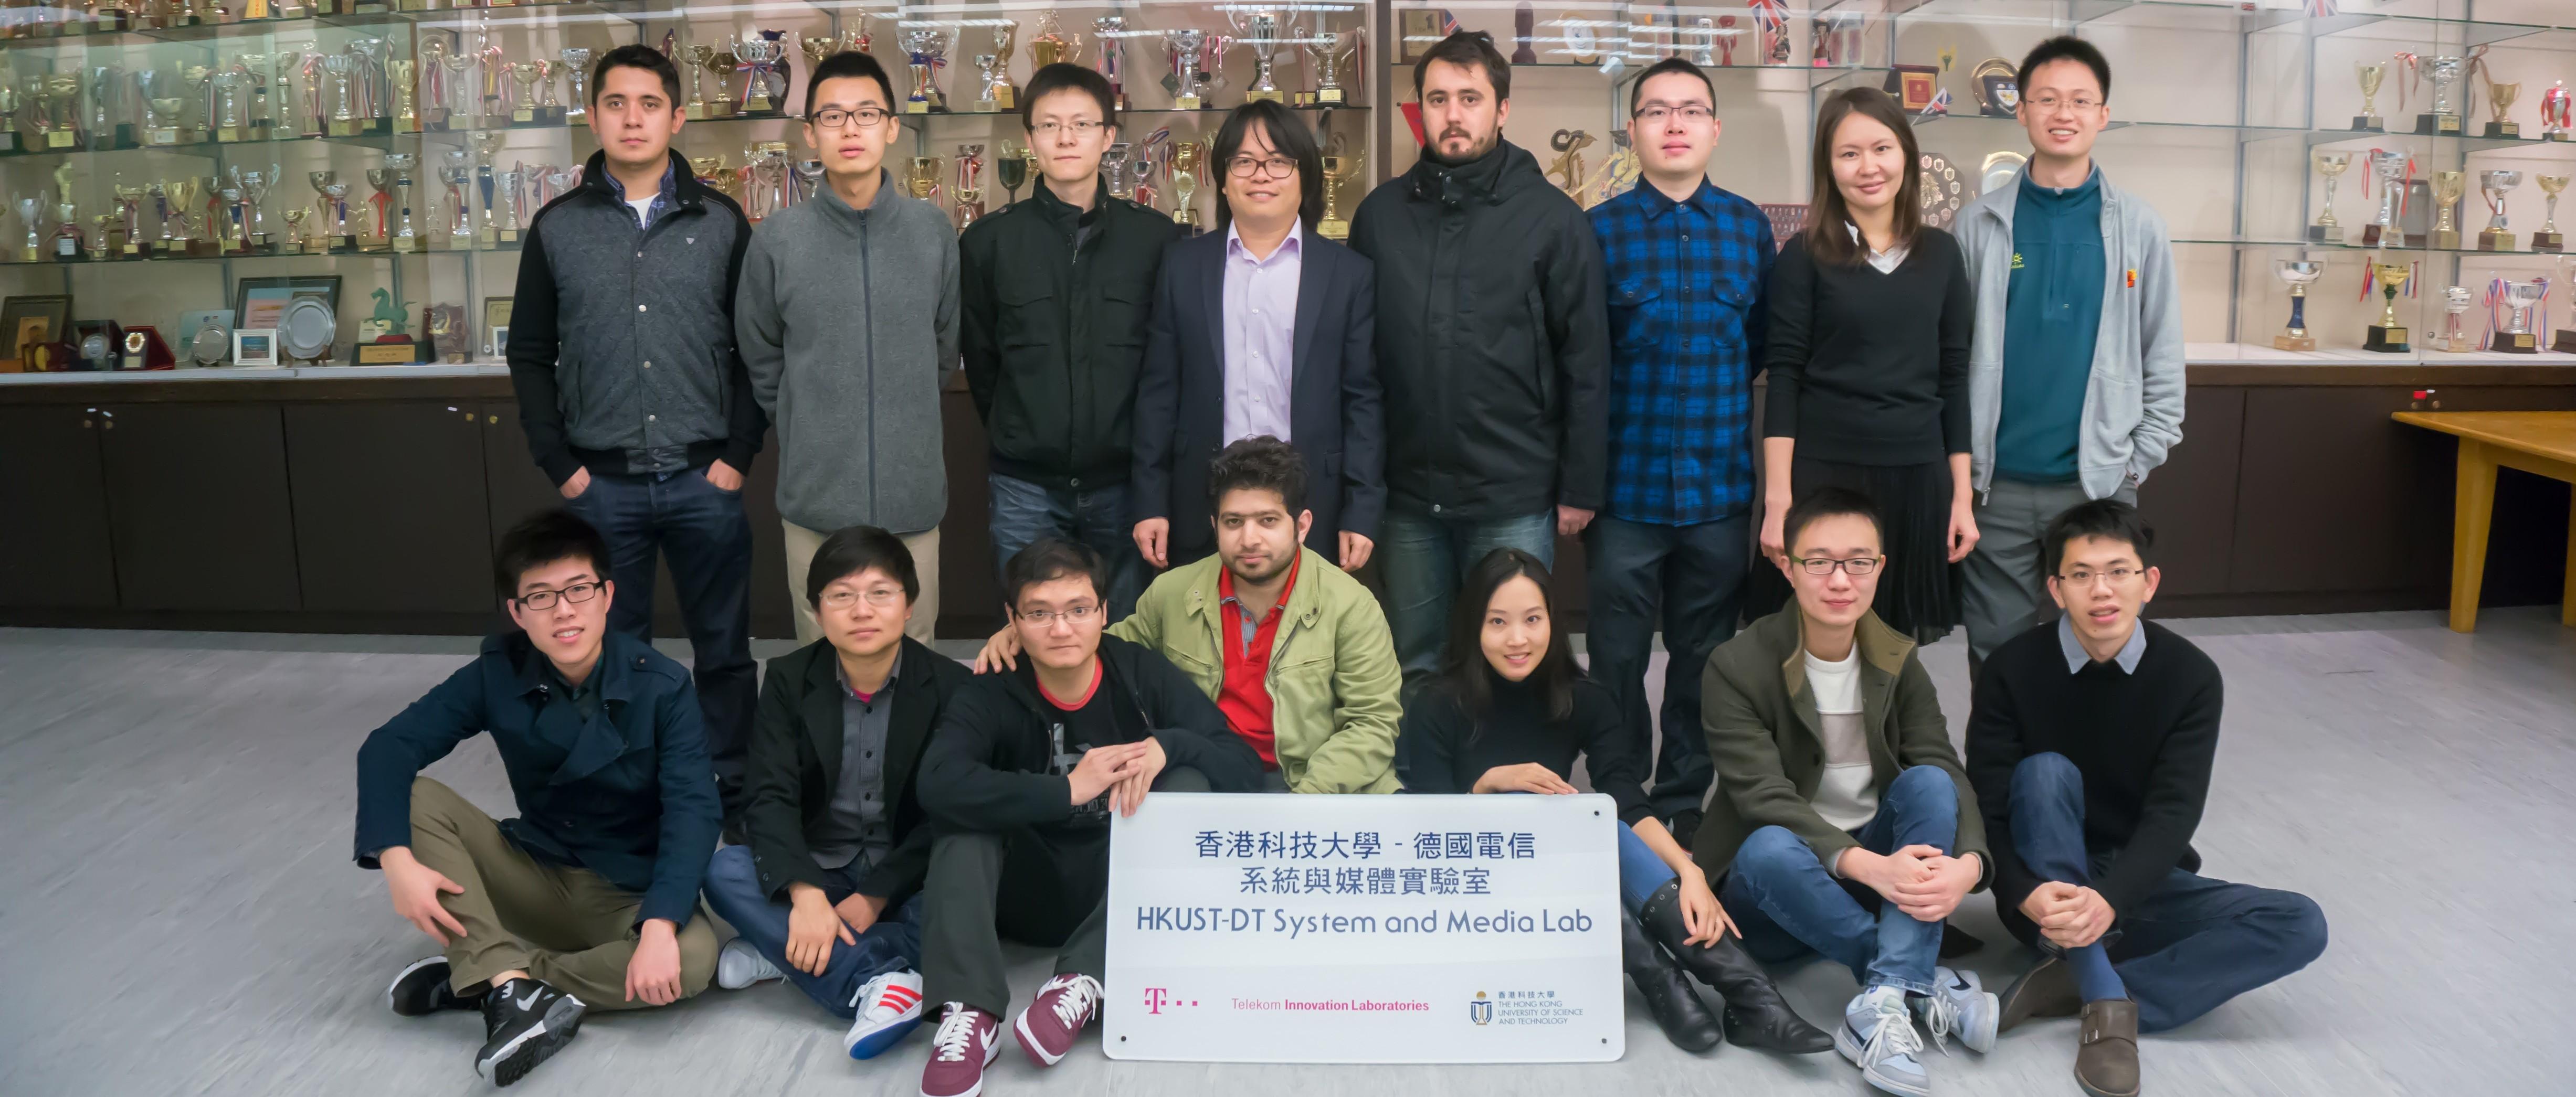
<point x="1054" y="294"/>
<point x="1492" y="342"/>
<point x="632" y="397"/>
<point x="1021" y="778"/>
<point x="2090" y="749"/>
<point x="587" y="899"/>
<point x="827" y="893"/>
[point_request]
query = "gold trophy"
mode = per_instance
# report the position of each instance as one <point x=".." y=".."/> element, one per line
<point x="2331" y="165"/>
<point x="2448" y="186"/>
<point x="406" y="110"/>
<point x="2372" y="74"/>
<point x="2549" y="238"/>
<point x="1340" y="169"/>
<point x="2499" y="98"/>
<point x="1185" y="181"/>
<point x="63" y="88"/>
<point x="2388" y="336"/>
<point x="1051" y="44"/>
<point x="922" y="181"/>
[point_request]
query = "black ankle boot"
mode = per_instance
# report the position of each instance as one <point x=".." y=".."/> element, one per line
<point x="1685" y="1019"/>
<point x="1756" y="1014"/>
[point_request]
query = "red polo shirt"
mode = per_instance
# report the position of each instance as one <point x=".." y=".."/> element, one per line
<point x="1245" y="695"/>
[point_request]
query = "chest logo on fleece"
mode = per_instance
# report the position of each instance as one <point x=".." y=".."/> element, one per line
<point x="2016" y="261"/>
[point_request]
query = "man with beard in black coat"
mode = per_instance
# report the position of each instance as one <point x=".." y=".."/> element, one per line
<point x="1492" y="343"/>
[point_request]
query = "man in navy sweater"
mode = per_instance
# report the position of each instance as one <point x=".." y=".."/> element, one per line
<point x="2090" y="749"/>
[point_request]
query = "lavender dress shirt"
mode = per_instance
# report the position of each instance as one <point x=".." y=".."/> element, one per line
<point x="1260" y="335"/>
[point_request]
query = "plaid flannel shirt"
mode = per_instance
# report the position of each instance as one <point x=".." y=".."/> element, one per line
<point x="1689" y="297"/>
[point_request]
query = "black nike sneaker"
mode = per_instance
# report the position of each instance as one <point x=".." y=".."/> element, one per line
<point x="422" y="989"/>
<point x="524" y="1022"/>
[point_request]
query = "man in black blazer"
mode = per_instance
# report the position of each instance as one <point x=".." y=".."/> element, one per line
<point x="827" y="893"/>
<point x="1229" y="306"/>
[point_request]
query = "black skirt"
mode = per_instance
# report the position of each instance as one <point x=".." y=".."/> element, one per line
<point x="1918" y="590"/>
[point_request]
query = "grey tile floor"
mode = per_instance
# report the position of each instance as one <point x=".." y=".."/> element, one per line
<point x="178" y="914"/>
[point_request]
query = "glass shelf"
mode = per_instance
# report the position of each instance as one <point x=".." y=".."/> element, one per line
<point x="251" y="256"/>
<point x="1319" y="108"/>
<point x="521" y="15"/>
<point x="2522" y="238"/>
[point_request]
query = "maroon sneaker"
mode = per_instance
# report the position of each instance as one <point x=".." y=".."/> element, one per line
<point x="1064" y="1005"/>
<point x="967" y="1042"/>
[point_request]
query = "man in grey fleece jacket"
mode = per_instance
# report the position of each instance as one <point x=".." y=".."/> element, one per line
<point x="2075" y="374"/>
<point x="847" y="320"/>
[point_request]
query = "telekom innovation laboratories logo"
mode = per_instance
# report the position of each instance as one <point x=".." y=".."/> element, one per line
<point x="1158" y="997"/>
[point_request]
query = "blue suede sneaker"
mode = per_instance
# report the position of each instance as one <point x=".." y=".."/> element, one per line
<point x="1959" y="1006"/>
<point x="1877" y="1034"/>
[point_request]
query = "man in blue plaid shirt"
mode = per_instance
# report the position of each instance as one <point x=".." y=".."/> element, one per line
<point x="1689" y="267"/>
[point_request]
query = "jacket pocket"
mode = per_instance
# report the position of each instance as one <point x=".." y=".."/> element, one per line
<point x="1027" y="318"/>
<point x="1123" y="308"/>
<point x="1542" y="359"/>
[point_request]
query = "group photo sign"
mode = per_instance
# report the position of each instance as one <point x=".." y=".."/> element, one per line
<point x="1365" y="929"/>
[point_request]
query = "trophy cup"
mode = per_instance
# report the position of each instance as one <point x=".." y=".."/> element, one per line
<point x="228" y="228"/>
<point x="2442" y="121"/>
<point x="994" y="84"/>
<point x="2556" y="106"/>
<point x="2520" y="297"/>
<point x="2499" y="98"/>
<point x="2495" y="185"/>
<point x="400" y="233"/>
<point x="2388" y="336"/>
<point x="129" y="208"/>
<point x="997" y="86"/>
<point x="2299" y="275"/>
<point x="757" y="54"/>
<point x="1185" y="182"/>
<point x="1109" y="30"/>
<point x="701" y="59"/>
<point x="514" y="196"/>
<point x="1264" y="30"/>
<point x="406" y="96"/>
<point x="2448" y="187"/>
<point x="1113" y="167"/>
<point x="854" y="33"/>
<point x="1013" y="170"/>
<point x="456" y="170"/>
<point x="926" y="50"/>
<point x="1340" y="169"/>
<point x="454" y="66"/>
<point x="809" y="180"/>
<point x="2372" y="74"/>
<point x="923" y="180"/>
<point x="295" y="237"/>
<point x="344" y="120"/>
<point x="2455" y="300"/>
<point x="2391" y="170"/>
<point x="2332" y="166"/>
<point x="28" y="210"/>
<point x="105" y="84"/>
<point x="334" y="229"/>
<point x="576" y="70"/>
<point x="970" y="196"/>
<point x="486" y="145"/>
<point x="254" y="187"/>
<point x="2549" y="238"/>
<point x="1051" y="44"/>
<point x="62" y="91"/>
<point x="816" y="49"/>
<point x="1184" y="47"/>
<point x="1330" y="54"/>
<point x="228" y="122"/>
<point x="381" y="180"/>
<point x="183" y="206"/>
<point x="523" y="109"/>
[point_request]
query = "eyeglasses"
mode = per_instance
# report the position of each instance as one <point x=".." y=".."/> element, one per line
<point x="844" y="598"/>
<point x="546" y="599"/>
<point x="1692" y="113"/>
<point x="2051" y="102"/>
<point x="1271" y="167"/>
<point x="1079" y="127"/>
<point x="2117" y="576"/>
<point x="1044" y="618"/>
<point x="1819" y="565"/>
<point x="832" y="118"/>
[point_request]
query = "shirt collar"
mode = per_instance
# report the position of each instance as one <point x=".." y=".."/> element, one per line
<point x="1658" y="203"/>
<point x="1225" y="585"/>
<point x="2077" y="658"/>
<point x="841" y="674"/>
<point x="1290" y="246"/>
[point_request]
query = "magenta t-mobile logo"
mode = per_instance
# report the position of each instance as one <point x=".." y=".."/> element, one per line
<point x="1155" y="999"/>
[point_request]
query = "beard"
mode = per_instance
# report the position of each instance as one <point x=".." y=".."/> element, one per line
<point x="1277" y="566"/>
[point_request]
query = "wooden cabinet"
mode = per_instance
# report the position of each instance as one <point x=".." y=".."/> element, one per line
<point x="516" y="487"/>
<point x="197" y="502"/>
<point x="2191" y="501"/>
<point x="55" y="551"/>
<point x="391" y="512"/>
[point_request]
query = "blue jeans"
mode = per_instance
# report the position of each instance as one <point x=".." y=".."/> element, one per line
<point x="1787" y="904"/>
<point x="893" y="944"/>
<point x="1692" y="579"/>
<point x="1425" y="556"/>
<point x="703" y="529"/>
<point x="1022" y="512"/>
<point x="1641" y="873"/>
<point x="2193" y="942"/>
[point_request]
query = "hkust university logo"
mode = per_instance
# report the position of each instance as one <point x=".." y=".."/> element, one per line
<point x="1481" y="1010"/>
<point x="1521" y="1007"/>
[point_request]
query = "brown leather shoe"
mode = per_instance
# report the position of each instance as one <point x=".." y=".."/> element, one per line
<point x="2046" y="990"/>
<point x="2106" y="1058"/>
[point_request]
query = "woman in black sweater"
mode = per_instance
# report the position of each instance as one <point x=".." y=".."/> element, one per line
<point x="1871" y="312"/>
<point x="1510" y="712"/>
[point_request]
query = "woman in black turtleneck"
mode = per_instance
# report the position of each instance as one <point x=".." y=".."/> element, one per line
<point x="1510" y="712"/>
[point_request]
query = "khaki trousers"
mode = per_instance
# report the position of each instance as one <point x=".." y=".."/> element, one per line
<point x="802" y="543"/>
<point x="566" y="926"/>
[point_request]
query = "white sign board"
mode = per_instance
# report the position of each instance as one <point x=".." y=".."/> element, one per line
<point x="1365" y="929"/>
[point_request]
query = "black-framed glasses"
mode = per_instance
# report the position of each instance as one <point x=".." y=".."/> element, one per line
<point x="832" y="118"/>
<point x="1075" y="615"/>
<point x="546" y="599"/>
<point x="2117" y="576"/>
<point x="1692" y="113"/>
<point x="1079" y="127"/>
<point x="1267" y="167"/>
<point x="1822" y="565"/>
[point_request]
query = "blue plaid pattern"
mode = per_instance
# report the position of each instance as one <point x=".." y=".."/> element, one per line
<point x="662" y="200"/>
<point x="1689" y="296"/>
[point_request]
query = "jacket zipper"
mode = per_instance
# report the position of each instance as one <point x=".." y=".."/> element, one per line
<point x="867" y="313"/>
<point x="1082" y="403"/>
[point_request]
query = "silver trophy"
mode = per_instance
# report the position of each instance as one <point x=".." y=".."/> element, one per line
<point x="1113" y="167"/>
<point x="927" y="49"/>
<point x="2495" y="185"/>
<point x="255" y="186"/>
<point x="1111" y="31"/>
<point x="577" y="79"/>
<point x="2455" y="301"/>
<point x="30" y="214"/>
<point x="1331" y="52"/>
<point x="1183" y="46"/>
<point x="2298" y="276"/>
<point x="401" y="229"/>
<point x="456" y="169"/>
<point x="2444" y="72"/>
<point x="2390" y="168"/>
<point x="2521" y="297"/>
<point x="1265" y="30"/>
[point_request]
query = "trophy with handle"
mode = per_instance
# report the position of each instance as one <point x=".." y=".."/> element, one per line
<point x="1184" y="45"/>
<point x="2495" y="185"/>
<point x="2549" y="238"/>
<point x="922" y="181"/>
<point x="400" y="231"/>
<point x="926" y="52"/>
<point x="1331" y="52"/>
<point x="255" y="186"/>
<point x="2372" y="74"/>
<point x="2388" y="336"/>
<point x="486" y="146"/>
<point x="1186" y="156"/>
<point x="2557" y="113"/>
<point x="2518" y="299"/>
<point x="2331" y="165"/>
<point x="2442" y="121"/>
<point x="2391" y="169"/>
<point x="970" y="192"/>
<point x="576" y="67"/>
<point x="1265" y="30"/>
<point x="2299" y="275"/>
<point x="1110" y="31"/>
<point x="2455" y="301"/>
<point x="2500" y="97"/>
<point x="2448" y="187"/>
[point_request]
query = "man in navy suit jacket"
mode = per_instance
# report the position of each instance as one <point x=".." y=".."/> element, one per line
<point x="1264" y="327"/>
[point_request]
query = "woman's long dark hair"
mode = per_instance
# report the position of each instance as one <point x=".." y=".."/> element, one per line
<point x="1464" y="670"/>
<point x="1289" y="137"/>
<point x="1827" y="238"/>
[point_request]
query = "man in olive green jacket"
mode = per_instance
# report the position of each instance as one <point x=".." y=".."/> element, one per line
<point x="1294" y="652"/>
<point x="1842" y="820"/>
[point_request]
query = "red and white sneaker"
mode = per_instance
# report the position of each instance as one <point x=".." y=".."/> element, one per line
<point x="889" y="1009"/>
<point x="968" y="1040"/>
<point x="1063" y="1006"/>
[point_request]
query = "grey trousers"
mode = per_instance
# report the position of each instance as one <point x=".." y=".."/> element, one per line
<point x="2006" y="578"/>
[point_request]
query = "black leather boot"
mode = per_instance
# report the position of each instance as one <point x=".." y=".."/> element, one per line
<point x="1756" y="1014"/>
<point x="1685" y="1019"/>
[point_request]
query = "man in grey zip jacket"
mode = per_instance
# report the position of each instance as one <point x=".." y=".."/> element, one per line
<point x="2075" y="374"/>
<point x="847" y="320"/>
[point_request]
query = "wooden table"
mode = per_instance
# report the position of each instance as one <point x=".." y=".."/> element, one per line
<point x="2542" y="443"/>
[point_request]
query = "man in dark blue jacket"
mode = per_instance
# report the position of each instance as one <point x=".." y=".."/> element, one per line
<point x="585" y="900"/>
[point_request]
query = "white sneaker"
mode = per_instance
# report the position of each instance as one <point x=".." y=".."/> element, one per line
<point x="889" y="1009"/>
<point x="1878" y="1035"/>
<point x="739" y="965"/>
<point x="1959" y="1005"/>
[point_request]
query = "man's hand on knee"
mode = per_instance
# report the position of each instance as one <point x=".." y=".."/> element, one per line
<point x="653" y="973"/>
<point x="414" y="888"/>
<point x="2071" y="917"/>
